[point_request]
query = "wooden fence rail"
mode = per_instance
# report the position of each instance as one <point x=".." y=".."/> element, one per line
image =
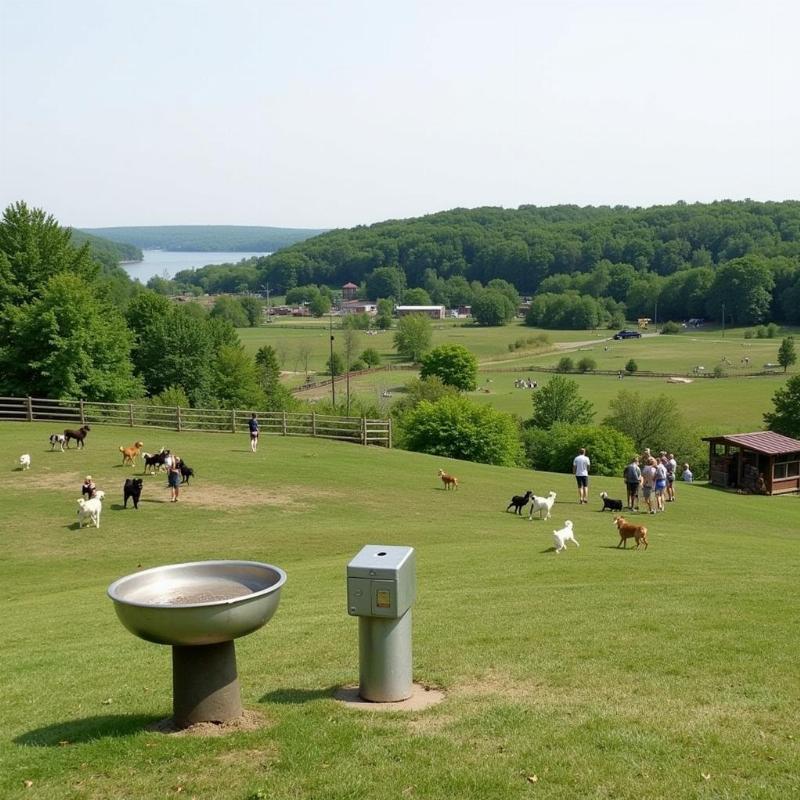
<point x="214" y="420"/>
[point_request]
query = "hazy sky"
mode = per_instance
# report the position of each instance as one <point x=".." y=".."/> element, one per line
<point x="332" y="114"/>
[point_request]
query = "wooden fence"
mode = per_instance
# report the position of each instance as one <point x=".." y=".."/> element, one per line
<point x="281" y="423"/>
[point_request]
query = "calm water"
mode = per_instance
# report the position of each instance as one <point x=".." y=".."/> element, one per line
<point x="166" y="263"/>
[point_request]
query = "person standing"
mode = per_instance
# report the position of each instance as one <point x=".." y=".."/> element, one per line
<point x="633" y="478"/>
<point x="661" y="484"/>
<point x="648" y="483"/>
<point x="173" y="478"/>
<point x="687" y="475"/>
<point x="672" y="469"/>
<point x="580" y="469"/>
<point x="254" y="431"/>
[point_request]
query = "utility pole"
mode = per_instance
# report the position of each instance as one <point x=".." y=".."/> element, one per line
<point x="269" y="315"/>
<point x="333" y="377"/>
<point x="723" y="320"/>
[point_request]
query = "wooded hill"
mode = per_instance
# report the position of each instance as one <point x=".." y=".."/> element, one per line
<point x="206" y="238"/>
<point x="108" y="253"/>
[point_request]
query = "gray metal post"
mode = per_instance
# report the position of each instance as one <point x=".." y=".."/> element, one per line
<point x="384" y="659"/>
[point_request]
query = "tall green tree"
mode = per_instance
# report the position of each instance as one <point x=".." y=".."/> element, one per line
<point x="787" y="355"/>
<point x="785" y="415"/>
<point x="454" y="364"/>
<point x="254" y="308"/>
<point x="413" y="336"/>
<point x="67" y="343"/>
<point x="386" y="282"/>
<point x="744" y="287"/>
<point x="559" y="400"/>
<point x="492" y="308"/>
<point x="268" y="367"/>
<point x="230" y="309"/>
<point x="234" y="379"/>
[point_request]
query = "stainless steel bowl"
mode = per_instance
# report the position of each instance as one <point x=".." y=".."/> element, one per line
<point x="203" y="602"/>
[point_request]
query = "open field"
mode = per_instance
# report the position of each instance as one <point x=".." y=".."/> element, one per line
<point x="595" y="673"/>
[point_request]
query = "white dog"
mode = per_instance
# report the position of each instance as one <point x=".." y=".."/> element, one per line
<point x="542" y="504"/>
<point x="560" y="538"/>
<point x="25" y="461"/>
<point x="89" y="511"/>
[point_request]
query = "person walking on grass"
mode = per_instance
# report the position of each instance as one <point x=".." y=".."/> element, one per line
<point x="254" y="430"/>
<point x="174" y="479"/>
<point x="580" y="469"/>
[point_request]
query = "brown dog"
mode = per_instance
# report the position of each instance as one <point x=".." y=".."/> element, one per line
<point x="629" y="531"/>
<point x="129" y="453"/>
<point x="449" y="481"/>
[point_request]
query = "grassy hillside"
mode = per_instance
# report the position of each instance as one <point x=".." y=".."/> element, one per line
<point x="594" y="673"/>
<point x="207" y="238"/>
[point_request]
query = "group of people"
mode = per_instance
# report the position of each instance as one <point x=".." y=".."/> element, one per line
<point x="654" y="475"/>
<point x="525" y="383"/>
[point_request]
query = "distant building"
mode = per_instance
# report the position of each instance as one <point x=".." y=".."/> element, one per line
<point x="359" y="307"/>
<point x="434" y="312"/>
<point x="349" y="291"/>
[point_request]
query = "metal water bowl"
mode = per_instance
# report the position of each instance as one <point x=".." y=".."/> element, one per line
<point x="199" y="608"/>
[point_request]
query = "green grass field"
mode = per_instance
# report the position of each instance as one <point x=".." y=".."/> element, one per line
<point x="594" y="673"/>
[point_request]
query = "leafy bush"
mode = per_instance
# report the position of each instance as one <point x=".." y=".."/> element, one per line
<point x="371" y="357"/>
<point x="586" y="363"/>
<point x="631" y="367"/>
<point x="357" y="365"/>
<point x="454" y="364"/>
<point x="455" y="427"/>
<point x="671" y="328"/>
<point x="719" y="371"/>
<point x="565" y="364"/>
<point x="559" y="400"/>
<point x="761" y="332"/>
<point x="335" y="364"/>
<point x="493" y="308"/>
<point x="749" y="333"/>
<point x="772" y="330"/>
<point x="554" y="450"/>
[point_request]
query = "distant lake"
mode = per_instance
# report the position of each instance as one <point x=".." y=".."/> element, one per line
<point x="167" y="263"/>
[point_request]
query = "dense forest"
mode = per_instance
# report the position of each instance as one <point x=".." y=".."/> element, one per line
<point x="206" y="238"/>
<point x="108" y="253"/>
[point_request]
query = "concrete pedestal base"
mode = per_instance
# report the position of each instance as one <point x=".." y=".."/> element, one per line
<point x="205" y="684"/>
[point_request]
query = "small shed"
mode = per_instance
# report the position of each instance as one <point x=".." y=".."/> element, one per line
<point x="762" y="462"/>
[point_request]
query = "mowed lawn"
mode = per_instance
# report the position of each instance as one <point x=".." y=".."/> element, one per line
<point x="598" y="672"/>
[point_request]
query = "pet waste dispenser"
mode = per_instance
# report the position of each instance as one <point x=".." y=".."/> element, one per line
<point x="381" y="586"/>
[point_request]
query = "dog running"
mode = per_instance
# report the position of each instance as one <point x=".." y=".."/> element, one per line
<point x="129" y="454"/>
<point x="566" y="534"/>
<point x="608" y="503"/>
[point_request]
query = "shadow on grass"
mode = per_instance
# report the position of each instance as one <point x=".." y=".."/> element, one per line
<point x="296" y="696"/>
<point x="87" y="729"/>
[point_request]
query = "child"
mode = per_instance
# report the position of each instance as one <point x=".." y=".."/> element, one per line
<point x="88" y="488"/>
<point x="687" y="474"/>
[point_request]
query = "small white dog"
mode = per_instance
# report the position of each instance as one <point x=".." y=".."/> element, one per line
<point x="542" y="504"/>
<point x="560" y="538"/>
<point x="89" y="511"/>
<point x="25" y="461"/>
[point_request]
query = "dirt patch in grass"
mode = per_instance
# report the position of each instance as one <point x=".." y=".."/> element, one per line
<point x="249" y="721"/>
<point x="230" y="498"/>
<point x="263" y="757"/>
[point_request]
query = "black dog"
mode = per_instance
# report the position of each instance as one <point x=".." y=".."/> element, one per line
<point x="186" y="472"/>
<point x="133" y="491"/>
<point x="519" y="502"/>
<point x="155" y="461"/>
<point x="608" y="503"/>
<point x="78" y="435"/>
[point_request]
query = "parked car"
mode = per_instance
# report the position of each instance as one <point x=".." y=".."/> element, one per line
<point x="628" y="335"/>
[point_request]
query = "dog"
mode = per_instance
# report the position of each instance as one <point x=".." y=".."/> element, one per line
<point x="629" y="531"/>
<point x="608" y="503"/>
<point x="449" y="481"/>
<point x="79" y="436"/>
<point x="563" y="536"/>
<point x="89" y="511"/>
<point x="129" y="453"/>
<point x="542" y="504"/>
<point x="132" y="491"/>
<point x="186" y="472"/>
<point x="520" y="501"/>
<point x="57" y="439"/>
<point x="154" y="462"/>
<point x="25" y="461"/>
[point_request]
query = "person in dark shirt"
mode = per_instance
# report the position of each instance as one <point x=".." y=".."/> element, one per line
<point x="254" y="430"/>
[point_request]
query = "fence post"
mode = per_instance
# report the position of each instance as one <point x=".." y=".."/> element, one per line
<point x="178" y="417"/>
<point x="314" y="424"/>
<point x="364" y="431"/>
<point x="130" y="413"/>
<point x="389" y="430"/>
<point x="30" y="410"/>
<point x="284" y="423"/>
<point x="83" y="415"/>
<point x="233" y="421"/>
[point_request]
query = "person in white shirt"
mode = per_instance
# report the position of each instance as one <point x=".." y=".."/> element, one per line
<point x="580" y="469"/>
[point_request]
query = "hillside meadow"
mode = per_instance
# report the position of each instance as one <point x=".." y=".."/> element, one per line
<point x="598" y="672"/>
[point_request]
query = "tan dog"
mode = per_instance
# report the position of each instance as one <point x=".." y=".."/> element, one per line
<point x="129" y="453"/>
<point x="449" y="481"/>
<point x="629" y="531"/>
